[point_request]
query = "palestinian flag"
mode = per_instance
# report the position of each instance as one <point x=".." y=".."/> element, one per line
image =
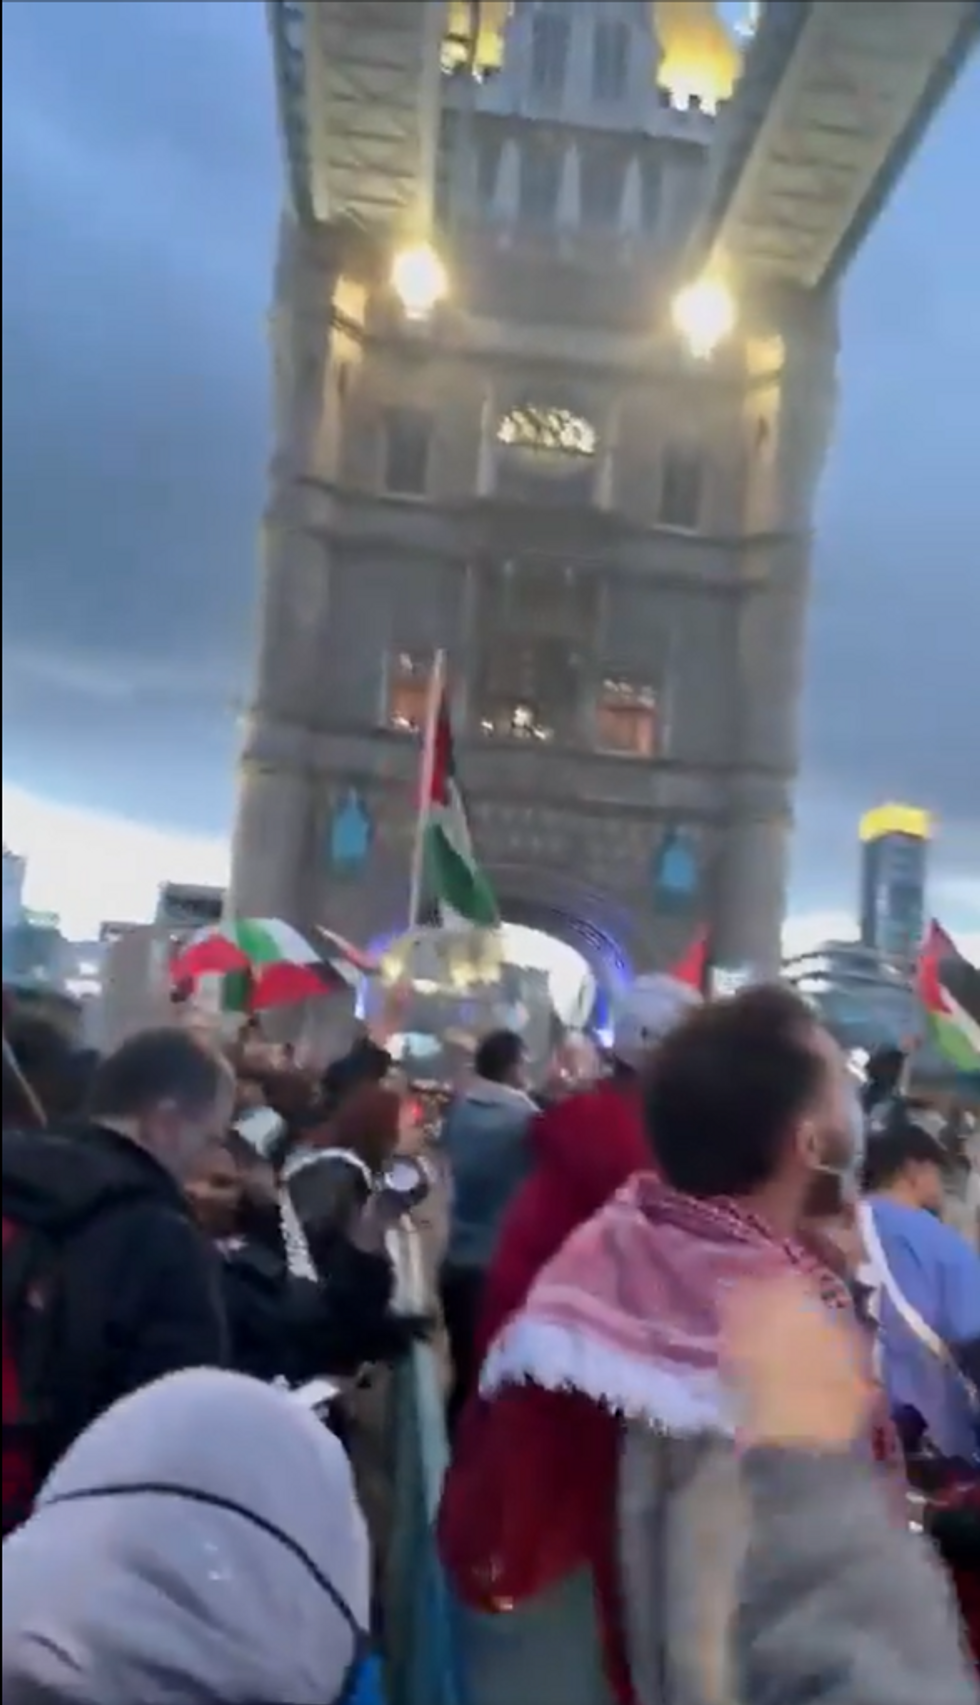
<point x="452" y="879"/>
<point x="949" y="988"/>
<point x="265" y="962"/>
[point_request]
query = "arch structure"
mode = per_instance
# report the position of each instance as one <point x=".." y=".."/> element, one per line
<point x="584" y="917"/>
<point x="611" y="935"/>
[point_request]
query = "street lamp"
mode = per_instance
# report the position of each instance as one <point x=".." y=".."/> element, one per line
<point x="704" y="314"/>
<point x="419" y="279"/>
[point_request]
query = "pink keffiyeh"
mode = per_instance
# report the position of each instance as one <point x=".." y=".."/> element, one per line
<point x="629" y="1311"/>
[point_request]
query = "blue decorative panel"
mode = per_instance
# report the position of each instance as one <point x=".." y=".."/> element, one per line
<point x="677" y="872"/>
<point x="349" y="834"/>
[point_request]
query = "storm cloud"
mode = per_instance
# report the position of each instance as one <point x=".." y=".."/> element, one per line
<point x="141" y="189"/>
<point x="141" y="178"/>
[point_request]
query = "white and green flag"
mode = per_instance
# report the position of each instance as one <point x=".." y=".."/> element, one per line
<point x="452" y="880"/>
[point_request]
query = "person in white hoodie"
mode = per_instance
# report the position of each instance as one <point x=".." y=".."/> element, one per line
<point x="200" y="1544"/>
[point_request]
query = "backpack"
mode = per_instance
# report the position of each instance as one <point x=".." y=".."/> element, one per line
<point x="46" y="1339"/>
<point x="30" y="1319"/>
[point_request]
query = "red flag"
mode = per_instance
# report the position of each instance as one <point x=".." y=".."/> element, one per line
<point x="948" y="987"/>
<point x="942" y="971"/>
<point x="935" y="948"/>
<point x="692" y="968"/>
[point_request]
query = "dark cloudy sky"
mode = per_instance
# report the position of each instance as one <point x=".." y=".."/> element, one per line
<point x="141" y="184"/>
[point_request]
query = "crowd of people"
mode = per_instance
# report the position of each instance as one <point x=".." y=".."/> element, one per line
<point x="710" y="1354"/>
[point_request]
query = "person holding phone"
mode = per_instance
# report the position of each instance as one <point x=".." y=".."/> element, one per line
<point x="284" y="1325"/>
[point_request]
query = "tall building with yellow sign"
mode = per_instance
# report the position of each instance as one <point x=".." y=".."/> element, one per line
<point x="894" y="865"/>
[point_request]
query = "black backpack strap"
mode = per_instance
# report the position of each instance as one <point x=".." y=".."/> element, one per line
<point x="31" y="1286"/>
<point x="54" y="1330"/>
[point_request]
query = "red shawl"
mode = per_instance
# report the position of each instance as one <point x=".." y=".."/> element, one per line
<point x="532" y="1470"/>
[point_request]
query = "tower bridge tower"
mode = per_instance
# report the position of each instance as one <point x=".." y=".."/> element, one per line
<point x="608" y="536"/>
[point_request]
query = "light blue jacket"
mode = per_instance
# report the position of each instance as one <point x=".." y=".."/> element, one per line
<point x="484" y="1138"/>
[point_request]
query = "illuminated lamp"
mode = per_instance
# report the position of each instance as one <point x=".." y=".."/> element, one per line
<point x="704" y="315"/>
<point x="419" y="280"/>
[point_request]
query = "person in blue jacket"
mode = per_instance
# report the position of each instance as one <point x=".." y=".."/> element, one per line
<point x="926" y="1282"/>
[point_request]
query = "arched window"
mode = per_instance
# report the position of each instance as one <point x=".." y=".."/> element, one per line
<point x="556" y="431"/>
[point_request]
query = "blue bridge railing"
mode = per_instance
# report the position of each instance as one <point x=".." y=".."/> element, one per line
<point x="418" y="1639"/>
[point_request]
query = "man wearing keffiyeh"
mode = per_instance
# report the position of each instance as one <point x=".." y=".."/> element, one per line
<point x="745" y="1102"/>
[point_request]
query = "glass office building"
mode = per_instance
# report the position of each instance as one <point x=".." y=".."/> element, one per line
<point x="894" y="864"/>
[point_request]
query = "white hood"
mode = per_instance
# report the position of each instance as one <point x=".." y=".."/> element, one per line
<point x="116" y="1594"/>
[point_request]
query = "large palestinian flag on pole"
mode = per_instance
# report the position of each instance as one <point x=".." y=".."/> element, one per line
<point x="949" y="988"/>
<point x="452" y="880"/>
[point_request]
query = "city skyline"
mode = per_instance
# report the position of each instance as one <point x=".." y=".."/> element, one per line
<point x="87" y="867"/>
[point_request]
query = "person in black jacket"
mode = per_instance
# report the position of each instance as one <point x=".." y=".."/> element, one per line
<point x="290" y="1326"/>
<point x="330" y="1174"/>
<point x="138" y="1290"/>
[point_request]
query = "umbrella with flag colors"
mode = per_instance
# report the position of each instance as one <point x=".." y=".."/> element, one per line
<point x="949" y="988"/>
<point x="265" y="962"/>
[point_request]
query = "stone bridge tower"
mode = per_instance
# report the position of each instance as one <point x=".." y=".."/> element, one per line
<point x="609" y="538"/>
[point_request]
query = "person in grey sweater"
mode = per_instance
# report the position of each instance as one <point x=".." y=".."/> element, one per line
<point x="484" y="1141"/>
<point x="839" y="1604"/>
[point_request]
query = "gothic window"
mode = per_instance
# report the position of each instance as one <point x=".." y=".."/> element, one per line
<point x="528" y="689"/>
<point x="549" y="53"/>
<point x="407" y="677"/>
<point x="513" y="719"/>
<point x="407" y="434"/>
<point x="601" y="185"/>
<point x="626" y="718"/>
<point x="554" y="430"/>
<point x="651" y="192"/>
<point x="541" y="163"/>
<point x="682" y="488"/>
<point x="610" y="60"/>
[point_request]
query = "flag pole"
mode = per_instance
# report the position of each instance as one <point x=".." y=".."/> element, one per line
<point x="437" y="683"/>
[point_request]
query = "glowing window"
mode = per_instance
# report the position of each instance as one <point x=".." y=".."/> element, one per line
<point x="407" y="692"/>
<point x="626" y="718"/>
<point x="551" y="429"/>
<point x="516" y="722"/>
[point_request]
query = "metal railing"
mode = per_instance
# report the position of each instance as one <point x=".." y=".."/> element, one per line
<point x="418" y="1640"/>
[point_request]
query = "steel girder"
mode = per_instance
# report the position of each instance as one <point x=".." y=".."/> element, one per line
<point x="359" y="102"/>
<point x="834" y="98"/>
